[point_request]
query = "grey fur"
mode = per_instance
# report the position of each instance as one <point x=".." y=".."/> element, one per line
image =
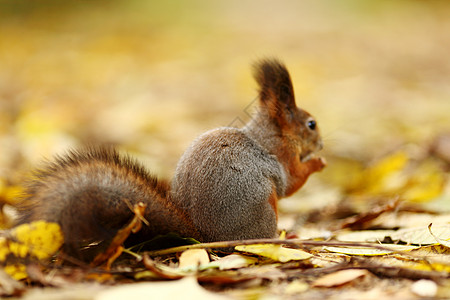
<point x="224" y="180"/>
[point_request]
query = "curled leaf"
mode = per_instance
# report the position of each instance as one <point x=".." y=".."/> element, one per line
<point x="443" y="242"/>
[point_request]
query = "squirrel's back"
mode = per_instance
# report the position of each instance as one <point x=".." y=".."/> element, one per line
<point x="225" y="180"/>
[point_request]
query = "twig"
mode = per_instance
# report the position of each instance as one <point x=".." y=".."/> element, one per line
<point x="290" y="242"/>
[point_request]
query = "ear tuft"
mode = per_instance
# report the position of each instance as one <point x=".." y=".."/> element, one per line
<point x="274" y="82"/>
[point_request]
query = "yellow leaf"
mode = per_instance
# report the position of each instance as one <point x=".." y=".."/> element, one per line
<point x="367" y="251"/>
<point x="275" y="252"/>
<point x="16" y="271"/>
<point x="423" y="264"/>
<point x="4" y="250"/>
<point x="396" y="174"/>
<point x="425" y="184"/>
<point x="40" y="239"/>
<point x="145" y="275"/>
<point x="385" y="175"/>
<point x="35" y="240"/>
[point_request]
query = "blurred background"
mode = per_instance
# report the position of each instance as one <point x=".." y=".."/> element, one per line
<point x="149" y="76"/>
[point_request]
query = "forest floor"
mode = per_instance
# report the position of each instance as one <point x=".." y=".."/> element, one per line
<point x="150" y="77"/>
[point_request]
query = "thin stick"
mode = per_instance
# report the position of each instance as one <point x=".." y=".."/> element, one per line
<point x="290" y="242"/>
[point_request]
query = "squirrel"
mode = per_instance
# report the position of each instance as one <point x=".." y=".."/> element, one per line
<point x="226" y="185"/>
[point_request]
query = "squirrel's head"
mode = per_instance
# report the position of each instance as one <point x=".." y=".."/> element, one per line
<point x="277" y="103"/>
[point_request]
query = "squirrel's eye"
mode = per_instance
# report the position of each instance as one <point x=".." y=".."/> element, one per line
<point x="312" y="124"/>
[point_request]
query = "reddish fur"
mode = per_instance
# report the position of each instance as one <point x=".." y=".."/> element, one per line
<point x="295" y="140"/>
<point x="273" y="201"/>
<point x="299" y="173"/>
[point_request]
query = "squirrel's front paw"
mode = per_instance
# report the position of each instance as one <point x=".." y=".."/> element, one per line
<point x="317" y="164"/>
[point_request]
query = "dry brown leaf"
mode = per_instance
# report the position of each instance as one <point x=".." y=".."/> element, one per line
<point x="161" y="270"/>
<point x="226" y="278"/>
<point x="362" y="220"/>
<point x="340" y="278"/>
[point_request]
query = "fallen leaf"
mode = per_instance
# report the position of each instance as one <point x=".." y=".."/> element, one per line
<point x="421" y="235"/>
<point x="160" y="270"/>
<point x="367" y="251"/>
<point x="395" y="174"/>
<point x="425" y="183"/>
<point x="270" y="272"/>
<point x="37" y="240"/>
<point x="340" y="278"/>
<point x="385" y="175"/>
<point x="443" y="242"/>
<point x="233" y="261"/>
<point x="193" y="259"/>
<point x="186" y="289"/>
<point x="275" y="252"/>
<point x="434" y="254"/>
<point x="411" y="267"/>
<point x="361" y="220"/>
<point x="226" y="277"/>
<point x="364" y="235"/>
<point x="296" y="287"/>
<point x="405" y="220"/>
<point x="413" y="236"/>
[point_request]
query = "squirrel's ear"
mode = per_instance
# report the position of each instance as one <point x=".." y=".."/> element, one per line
<point x="276" y="93"/>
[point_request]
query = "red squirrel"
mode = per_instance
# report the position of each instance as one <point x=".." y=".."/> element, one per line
<point x="226" y="185"/>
